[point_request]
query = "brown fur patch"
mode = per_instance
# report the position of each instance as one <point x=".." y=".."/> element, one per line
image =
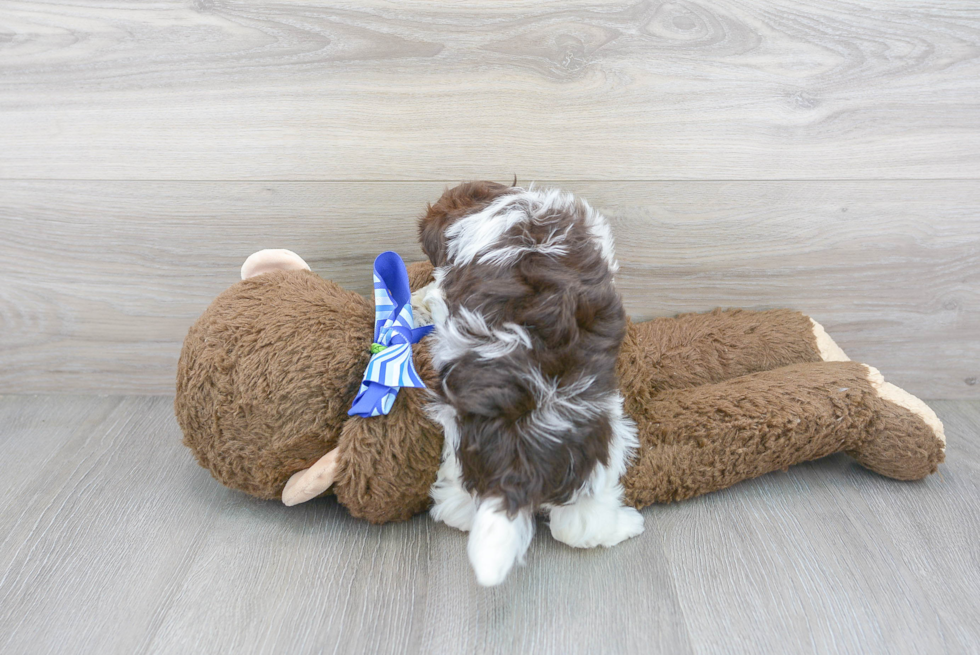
<point x="704" y="438"/>
<point x="566" y="302"/>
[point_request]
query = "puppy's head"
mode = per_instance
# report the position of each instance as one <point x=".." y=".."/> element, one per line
<point x="455" y="203"/>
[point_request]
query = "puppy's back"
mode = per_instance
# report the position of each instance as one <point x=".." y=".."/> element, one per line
<point x="528" y="353"/>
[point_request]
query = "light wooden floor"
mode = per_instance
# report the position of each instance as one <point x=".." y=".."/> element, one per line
<point x="115" y="541"/>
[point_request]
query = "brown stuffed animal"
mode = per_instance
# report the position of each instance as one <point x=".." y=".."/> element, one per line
<point x="268" y="372"/>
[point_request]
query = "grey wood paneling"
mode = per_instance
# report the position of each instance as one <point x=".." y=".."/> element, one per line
<point x="102" y="279"/>
<point x="299" y="90"/>
<point x="115" y="541"/>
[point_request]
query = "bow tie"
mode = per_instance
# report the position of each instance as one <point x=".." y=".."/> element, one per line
<point x="391" y="364"/>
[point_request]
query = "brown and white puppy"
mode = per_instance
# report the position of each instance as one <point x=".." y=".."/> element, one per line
<point x="528" y="329"/>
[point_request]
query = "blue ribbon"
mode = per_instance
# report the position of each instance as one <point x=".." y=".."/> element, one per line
<point x="391" y="364"/>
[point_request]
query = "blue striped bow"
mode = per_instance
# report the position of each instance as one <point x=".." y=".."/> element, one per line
<point x="391" y="364"/>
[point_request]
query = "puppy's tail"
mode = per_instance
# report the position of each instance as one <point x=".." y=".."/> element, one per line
<point x="497" y="541"/>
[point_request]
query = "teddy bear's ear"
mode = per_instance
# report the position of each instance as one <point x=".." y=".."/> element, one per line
<point x="309" y="483"/>
<point x="264" y="261"/>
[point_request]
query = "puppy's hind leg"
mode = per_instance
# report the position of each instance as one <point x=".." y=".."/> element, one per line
<point x="597" y="516"/>
<point x="498" y="541"/>
<point x="452" y="503"/>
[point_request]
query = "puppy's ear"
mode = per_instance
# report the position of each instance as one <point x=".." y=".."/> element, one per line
<point x="455" y="203"/>
<point x="432" y="237"/>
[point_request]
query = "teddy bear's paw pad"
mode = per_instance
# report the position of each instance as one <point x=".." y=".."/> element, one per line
<point x="829" y="350"/>
<point x="588" y="523"/>
<point x="902" y="398"/>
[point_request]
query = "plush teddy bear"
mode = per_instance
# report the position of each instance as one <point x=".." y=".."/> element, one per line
<point x="268" y="373"/>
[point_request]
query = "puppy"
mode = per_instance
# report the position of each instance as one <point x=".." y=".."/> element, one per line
<point x="528" y="328"/>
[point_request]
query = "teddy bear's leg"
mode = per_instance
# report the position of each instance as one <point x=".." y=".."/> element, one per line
<point x="701" y="439"/>
<point x="902" y="449"/>
<point x="695" y="349"/>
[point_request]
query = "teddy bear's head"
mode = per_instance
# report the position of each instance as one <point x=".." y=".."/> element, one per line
<point x="269" y="371"/>
<point x="267" y="374"/>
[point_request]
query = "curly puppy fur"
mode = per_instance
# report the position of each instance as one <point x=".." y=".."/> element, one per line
<point x="528" y="328"/>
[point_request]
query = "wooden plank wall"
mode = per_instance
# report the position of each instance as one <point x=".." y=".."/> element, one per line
<point x="822" y="156"/>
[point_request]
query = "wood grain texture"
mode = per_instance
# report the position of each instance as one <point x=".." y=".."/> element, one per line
<point x="103" y="279"/>
<point x="639" y="90"/>
<point x="115" y="541"/>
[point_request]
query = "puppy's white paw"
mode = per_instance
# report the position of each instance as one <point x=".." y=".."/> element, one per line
<point x="435" y="301"/>
<point x="420" y="311"/>
<point x="629" y="523"/>
<point x="453" y="506"/>
<point x="587" y="524"/>
<point x="491" y="555"/>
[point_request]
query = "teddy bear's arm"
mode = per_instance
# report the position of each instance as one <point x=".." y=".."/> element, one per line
<point x="419" y="274"/>
<point x="696" y="349"/>
<point x="386" y="466"/>
<point x="705" y="438"/>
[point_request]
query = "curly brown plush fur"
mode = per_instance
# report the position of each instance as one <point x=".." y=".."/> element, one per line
<point x="268" y="373"/>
